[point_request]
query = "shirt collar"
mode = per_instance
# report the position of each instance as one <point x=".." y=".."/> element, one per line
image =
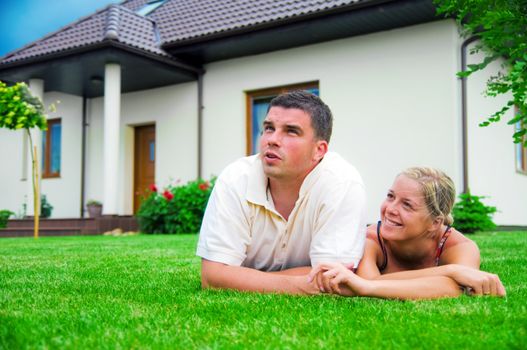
<point x="257" y="189"/>
<point x="258" y="184"/>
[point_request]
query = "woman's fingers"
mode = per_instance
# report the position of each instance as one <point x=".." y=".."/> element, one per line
<point x="477" y="289"/>
<point x="335" y="283"/>
<point x="485" y="288"/>
<point x="499" y="288"/>
<point x="313" y="273"/>
<point x="326" y="280"/>
<point x="493" y="286"/>
<point x="320" y="282"/>
<point x="488" y="284"/>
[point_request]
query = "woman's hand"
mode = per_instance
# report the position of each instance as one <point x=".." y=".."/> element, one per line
<point x="336" y="278"/>
<point x="478" y="282"/>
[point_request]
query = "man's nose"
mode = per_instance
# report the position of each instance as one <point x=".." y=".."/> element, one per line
<point x="274" y="138"/>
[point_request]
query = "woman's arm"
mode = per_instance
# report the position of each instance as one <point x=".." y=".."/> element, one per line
<point x="368" y="268"/>
<point x="338" y="279"/>
<point x="460" y="263"/>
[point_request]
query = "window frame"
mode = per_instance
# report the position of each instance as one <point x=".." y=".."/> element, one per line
<point x="252" y="95"/>
<point x="46" y="153"/>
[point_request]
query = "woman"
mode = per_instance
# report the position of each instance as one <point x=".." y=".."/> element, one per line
<point x="413" y="252"/>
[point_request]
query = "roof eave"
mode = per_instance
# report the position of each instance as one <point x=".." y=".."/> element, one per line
<point x="102" y="45"/>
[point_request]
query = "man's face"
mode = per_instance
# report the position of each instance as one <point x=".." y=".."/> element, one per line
<point x="288" y="147"/>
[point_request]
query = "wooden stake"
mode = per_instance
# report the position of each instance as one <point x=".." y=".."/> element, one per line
<point x="36" y="197"/>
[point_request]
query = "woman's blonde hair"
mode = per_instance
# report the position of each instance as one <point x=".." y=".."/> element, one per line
<point x="438" y="189"/>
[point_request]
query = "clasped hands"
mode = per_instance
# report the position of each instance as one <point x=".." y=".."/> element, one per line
<point x="337" y="278"/>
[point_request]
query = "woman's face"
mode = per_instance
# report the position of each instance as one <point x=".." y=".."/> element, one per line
<point x="404" y="214"/>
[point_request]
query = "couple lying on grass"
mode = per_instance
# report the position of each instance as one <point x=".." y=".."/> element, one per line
<point x="292" y="220"/>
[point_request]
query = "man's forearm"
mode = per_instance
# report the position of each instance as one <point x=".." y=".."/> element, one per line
<point x="217" y="275"/>
<point x="295" y="271"/>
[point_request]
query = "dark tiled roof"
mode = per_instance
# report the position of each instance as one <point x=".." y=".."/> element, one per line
<point x="82" y="33"/>
<point x="117" y="23"/>
<point x="175" y="21"/>
<point x="181" y="20"/>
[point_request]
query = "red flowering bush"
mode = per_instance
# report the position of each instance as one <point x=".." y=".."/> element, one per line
<point x="168" y="195"/>
<point x="178" y="209"/>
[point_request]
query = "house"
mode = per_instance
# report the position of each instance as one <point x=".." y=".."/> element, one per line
<point x="159" y="91"/>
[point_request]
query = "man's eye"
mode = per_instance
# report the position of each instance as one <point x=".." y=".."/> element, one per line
<point x="293" y="131"/>
<point x="268" y="128"/>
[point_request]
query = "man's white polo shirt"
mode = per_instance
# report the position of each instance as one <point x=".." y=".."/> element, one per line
<point x="241" y="226"/>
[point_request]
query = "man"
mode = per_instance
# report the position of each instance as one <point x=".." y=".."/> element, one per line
<point x="273" y="215"/>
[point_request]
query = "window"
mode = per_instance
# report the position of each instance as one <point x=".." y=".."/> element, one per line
<point x="51" y="149"/>
<point x="257" y="104"/>
<point x="521" y="153"/>
<point x="149" y="7"/>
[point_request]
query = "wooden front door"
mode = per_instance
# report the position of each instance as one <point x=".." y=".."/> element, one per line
<point x="144" y="162"/>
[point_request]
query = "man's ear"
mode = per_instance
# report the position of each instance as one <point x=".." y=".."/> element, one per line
<point x="320" y="150"/>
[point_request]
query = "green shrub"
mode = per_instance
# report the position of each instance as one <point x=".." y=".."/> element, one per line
<point x="178" y="209"/>
<point x="4" y="216"/>
<point x="45" y="207"/>
<point x="471" y="215"/>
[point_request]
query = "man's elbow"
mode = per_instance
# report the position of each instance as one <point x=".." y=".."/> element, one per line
<point x="204" y="282"/>
<point x="210" y="270"/>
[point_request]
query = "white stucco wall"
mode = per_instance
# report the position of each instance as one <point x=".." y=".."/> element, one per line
<point x="12" y="174"/>
<point x="63" y="192"/>
<point x="492" y="153"/>
<point x="174" y="112"/>
<point x="394" y="96"/>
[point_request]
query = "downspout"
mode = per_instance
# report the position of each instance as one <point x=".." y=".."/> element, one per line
<point x="83" y="154"/>
<point x="464" y="132"/>
<point x="200" y="123"/>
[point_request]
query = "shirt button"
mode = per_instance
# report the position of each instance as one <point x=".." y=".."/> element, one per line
<point x="284" y="245"/>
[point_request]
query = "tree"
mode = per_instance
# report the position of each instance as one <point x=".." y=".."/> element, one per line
<point x="19" y="109"/>
<point x="501" y="26"/>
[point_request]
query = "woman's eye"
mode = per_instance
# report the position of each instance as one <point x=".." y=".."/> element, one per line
<point x="407" y="205"/>
<point x="389" y="195"/>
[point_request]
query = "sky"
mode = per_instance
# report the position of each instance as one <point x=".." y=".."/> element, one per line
<point x="24" y="21"/>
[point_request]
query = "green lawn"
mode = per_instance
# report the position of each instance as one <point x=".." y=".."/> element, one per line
<point x="144" y="292"/>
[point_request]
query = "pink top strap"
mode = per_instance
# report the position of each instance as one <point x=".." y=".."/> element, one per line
<point x="441" y="244"/>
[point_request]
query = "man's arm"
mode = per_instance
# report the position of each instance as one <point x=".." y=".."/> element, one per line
<point x="222" y="276"/>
